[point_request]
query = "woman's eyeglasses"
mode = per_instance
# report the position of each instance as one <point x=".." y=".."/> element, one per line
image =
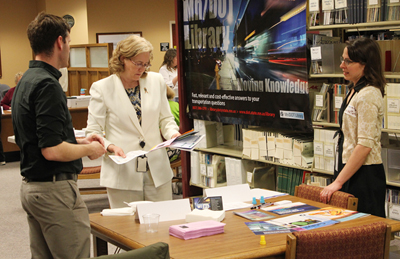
<point x="141" y="65"/>
<point x="346" y="61"/>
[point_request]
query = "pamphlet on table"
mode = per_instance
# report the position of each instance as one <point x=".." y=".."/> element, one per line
<point x="290" y="208"/>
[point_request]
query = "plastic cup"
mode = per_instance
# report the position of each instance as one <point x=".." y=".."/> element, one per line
<point x="151" y="222"/>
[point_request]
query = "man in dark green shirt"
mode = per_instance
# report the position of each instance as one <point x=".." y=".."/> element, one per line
<point x="50" y="155"/>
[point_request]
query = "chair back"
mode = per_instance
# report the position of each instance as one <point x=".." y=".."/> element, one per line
<point x="338" y="199"/>
<point x="361" y="242"/>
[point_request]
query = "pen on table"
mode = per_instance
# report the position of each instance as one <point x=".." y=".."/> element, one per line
<point x="262" y="205"/>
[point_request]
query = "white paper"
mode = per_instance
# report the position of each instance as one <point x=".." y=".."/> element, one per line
<point x="129" y="156"/>
<point x="239" y="192"/>
<point x="236" y="205"/>
<point x="338" y="101"/>
<point x="168" y="210"/>
<point x="327" y="5"/>
<point x="341" y="4"/>
<point x="319" y="100"/>
<point x="318" y="148"/>
<point x="329" y="150"/>
<point x="316" y="53"/>
<point x="128" y="211"/>
<point x="257" y="192"/>
<point x="393" y="105"/>
<point x="279" y="153"/>
<point x="313" y="6"/>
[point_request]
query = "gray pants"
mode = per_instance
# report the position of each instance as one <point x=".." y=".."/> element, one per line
<point x="58" y="220"/>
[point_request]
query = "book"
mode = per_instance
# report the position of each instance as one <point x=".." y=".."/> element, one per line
<point x="254" y="215"/>
<point x="280" y="179"/>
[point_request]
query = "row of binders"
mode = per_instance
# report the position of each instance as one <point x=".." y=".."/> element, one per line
<point x="329" y="12"/>
<point x="289" y="178"/>
<point x="286" y="148"/>
<point x="210" y="170"/>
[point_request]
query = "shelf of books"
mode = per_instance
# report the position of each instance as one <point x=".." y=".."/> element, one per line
<point x="388" y="75"/>
<point x="369" y="25"/>
<point x="248" y="150"/>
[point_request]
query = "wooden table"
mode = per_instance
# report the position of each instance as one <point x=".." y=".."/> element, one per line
<point x="237" y="241"/>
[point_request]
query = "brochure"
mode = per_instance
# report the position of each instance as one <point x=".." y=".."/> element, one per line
<point x="291" y="208"/>
<point x="254" y="215"/>
<point x="300" y="222"/>
<point x="337" y="214"/>
<point x="212" y="203"/>
<point x="186" y="142"/>
<point x="266" y="228"/>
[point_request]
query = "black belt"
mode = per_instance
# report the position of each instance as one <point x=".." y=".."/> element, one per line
<point x="51" y="178"/>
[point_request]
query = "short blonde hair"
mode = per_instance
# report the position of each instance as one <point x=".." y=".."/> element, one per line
<point x="129" y="48"/>
<point x="18" y="77"/>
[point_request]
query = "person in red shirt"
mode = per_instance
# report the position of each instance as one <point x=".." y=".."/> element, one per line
<point x="6" y="101"/>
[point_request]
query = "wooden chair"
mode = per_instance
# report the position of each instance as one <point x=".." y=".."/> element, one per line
<point x="175" y="169"/>
<point x="338" y="199"/>
<point x="91" y="173"/>
<point x="362" y="242"/>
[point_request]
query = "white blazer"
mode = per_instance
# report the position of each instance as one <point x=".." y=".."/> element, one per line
<point x="111" y="112"/>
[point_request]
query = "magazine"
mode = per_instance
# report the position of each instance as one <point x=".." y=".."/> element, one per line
<point x="254" y="215"/>
<point x="300" y="222"/>
<point x="337" y="214"/>
<point x="266" y="228"/>
<point x="187" y="142"/>
<point x="290" y="208"/>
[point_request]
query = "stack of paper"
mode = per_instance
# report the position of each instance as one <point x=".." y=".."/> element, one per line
<point x="196" y="229"/>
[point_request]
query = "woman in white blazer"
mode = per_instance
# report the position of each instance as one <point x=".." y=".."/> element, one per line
<point x="131" y="108"/>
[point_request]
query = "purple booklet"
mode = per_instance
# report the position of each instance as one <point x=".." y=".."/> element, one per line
<point x="196" y="229"/>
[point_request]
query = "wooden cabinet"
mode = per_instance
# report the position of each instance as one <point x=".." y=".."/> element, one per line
<point x="88" y="63"/>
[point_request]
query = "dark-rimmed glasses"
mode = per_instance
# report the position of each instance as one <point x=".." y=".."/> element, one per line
<point x="346" y="61"/>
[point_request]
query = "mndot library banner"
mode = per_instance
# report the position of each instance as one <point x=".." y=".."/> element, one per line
<point x="245" y="62"/>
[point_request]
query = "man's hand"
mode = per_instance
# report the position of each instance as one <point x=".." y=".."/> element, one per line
<point x="89" y="139"/>
<point x="97" y="150"/>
